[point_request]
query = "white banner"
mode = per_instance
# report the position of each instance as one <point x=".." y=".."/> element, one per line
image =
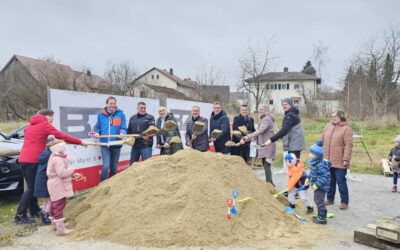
<point x="75" y="113"/>
<point x="182" y="110"/>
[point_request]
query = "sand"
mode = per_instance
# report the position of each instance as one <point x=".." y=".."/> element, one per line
<point x="180" y="200"/>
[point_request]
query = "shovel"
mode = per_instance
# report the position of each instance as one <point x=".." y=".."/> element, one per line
<point x="117" y="136"/>
<point x="215" y="133"/>
<point x="243" y="130"/>
<point x="259" y="146"/>
<point x="175" y="139"/>
<point x="197" y="129"/>
<point x="276" y="196"/>
<point x="235" y="194"/>
<point x="232" y="144"/>
<point x="292" y="211"/>
<point x="168" y="125"/>
<point x="152" y="130"/>
<point x="237" y="134"/>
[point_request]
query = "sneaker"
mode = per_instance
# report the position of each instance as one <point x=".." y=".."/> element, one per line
<point x="394" y="189"/>
<point x="23" y="219"/>
<point x="45" y="218"/>
<point x="343" y="206"/>
<point x="297" y="196"/>
<point x="310" y="210"/>
<point x="329" y="202"/>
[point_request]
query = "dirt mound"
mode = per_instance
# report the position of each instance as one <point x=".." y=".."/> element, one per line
<point x="180" y="200"/>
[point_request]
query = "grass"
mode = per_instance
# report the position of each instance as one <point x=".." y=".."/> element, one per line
<point x="7" y="127"/>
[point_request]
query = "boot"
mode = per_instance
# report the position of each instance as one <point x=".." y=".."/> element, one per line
<point x="45" y="218"/>
<point x="61" y="230"/>
<point x="321" y="218"/>
<point x="343" y="206"/>
<point x="394" y="189"/>
<point x="310" y="210"/>
<point x="23" y="219"/>
<point x="52" y="223"/>
<point x="290" y="205"/>
<point x="329" y="202"/>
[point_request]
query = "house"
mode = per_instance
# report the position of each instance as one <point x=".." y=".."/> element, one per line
<point x="212" y="93"/>
<point x="25" y="80"/>
<point x="280" y="85"/>
<point x="161" y="84"/>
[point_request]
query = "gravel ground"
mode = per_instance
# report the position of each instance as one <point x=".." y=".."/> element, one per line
<point x="370" y="199"/>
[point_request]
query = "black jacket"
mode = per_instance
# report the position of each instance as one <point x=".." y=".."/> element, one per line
<point x="290" y="120"/>
<point x="201" y="141"/>
<point x="139" y="123"/>
<point x="221" y="122"/>
<point x="241" y="121"/>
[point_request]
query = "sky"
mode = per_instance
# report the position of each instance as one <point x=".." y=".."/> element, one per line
<point x="186" y="35"/>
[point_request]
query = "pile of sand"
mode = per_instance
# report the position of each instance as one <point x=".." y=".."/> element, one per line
<point x="180" y="200"/>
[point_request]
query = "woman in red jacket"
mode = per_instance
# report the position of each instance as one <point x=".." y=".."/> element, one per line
<point x="35" y="137"/>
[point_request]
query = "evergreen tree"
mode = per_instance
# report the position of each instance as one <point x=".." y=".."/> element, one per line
<point x="309" y="69"/>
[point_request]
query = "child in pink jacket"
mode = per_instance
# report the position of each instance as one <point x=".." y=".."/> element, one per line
<point x="59" y="184"/>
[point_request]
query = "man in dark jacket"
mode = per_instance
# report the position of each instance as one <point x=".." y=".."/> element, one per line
<point x="163" y="141"/>
<point x="219" y="120"/>
<point x="137" y="124"/>
<point x="197" y="141"/>
<point x="292" y="132"/>
<point x="243" y="119"/>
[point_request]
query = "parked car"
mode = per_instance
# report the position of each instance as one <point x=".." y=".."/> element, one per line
<point x="11" y="178"/>
<point x="18" y="133"/>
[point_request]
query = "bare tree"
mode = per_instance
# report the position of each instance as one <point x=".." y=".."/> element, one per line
<point x="253" y="65"/>
<point x="121" y="75"/>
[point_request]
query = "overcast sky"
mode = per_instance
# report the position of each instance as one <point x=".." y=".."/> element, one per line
<point x="187" y="34"/>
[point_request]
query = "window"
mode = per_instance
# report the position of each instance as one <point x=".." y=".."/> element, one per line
<point x="158" y="77"/>
<point x="152" y="76"/>
<point x="287" y="86"/>
<point x="279" y="86"/>
<point x="275" y="86"/>
<point x="283" y="86"/>
<point x="267" y="86"/>
<point x="271" y="102"/>
<point x="296" y="86"/>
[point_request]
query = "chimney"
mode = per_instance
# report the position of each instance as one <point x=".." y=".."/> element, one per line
<point x="285" y="69"/>
<point x="88" y="73"/>
<point x="171" y="71"/>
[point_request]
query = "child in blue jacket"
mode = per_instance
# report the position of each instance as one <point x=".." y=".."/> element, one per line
<point x="320" y="179"/>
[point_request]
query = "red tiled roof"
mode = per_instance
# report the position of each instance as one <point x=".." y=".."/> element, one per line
<point x="51" y="72"/>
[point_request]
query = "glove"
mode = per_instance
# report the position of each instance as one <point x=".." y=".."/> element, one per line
<point x="314" y="187"/>
<point x="307" y="182"/>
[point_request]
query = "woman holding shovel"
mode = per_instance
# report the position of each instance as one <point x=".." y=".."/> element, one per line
<point x="265" y="130"/>
<point x="110" y="121"/>
<point x="164" y="142"/>
<point x="36" y="134"/>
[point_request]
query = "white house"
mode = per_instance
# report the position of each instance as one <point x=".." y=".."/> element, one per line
<point x="159" y="83"/>
<point x="280" y="85"/>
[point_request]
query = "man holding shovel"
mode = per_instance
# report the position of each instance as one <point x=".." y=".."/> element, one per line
<point x="197" y="131"/>
<point x="110" y="121"/>
<point x="219" y="121"/>
<point x="138" y="124"/>
<point x="243" y="119"/>
<point x="164" y="142"/>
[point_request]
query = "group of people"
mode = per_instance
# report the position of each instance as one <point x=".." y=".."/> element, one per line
<point x="48" y="175"/>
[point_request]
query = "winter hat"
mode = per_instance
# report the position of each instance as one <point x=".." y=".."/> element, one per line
<point x="289" y="101"/>
<point x="57" y="146"/>
<point x="290" y="158"/>
<point x="397" y="139"/>
<point x="317" y="149"/>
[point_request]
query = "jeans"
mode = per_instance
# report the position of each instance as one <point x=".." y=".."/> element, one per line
<point x="395" y="177"/>
<point x="110" y="157"/>
<point x="338" y="175"/>
<point x="27" y="199"/>
<point x="319" y="199"/>
<point x="145" y="153"/>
